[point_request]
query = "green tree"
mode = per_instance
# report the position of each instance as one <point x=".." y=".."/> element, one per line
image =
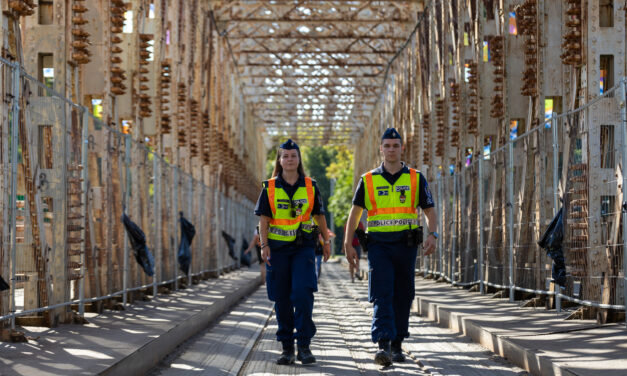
<point x="271" y="158"/>
<point x="341" y="169"/>
<point x="315" y="160"/>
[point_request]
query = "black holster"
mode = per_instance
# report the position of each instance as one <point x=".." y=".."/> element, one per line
<point x="362" y="237"/>
<point x="413" y="237"/>
<point x="315" y="232"/>
<point x="300" y="236"/>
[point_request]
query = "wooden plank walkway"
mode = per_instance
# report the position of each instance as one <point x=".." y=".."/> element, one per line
<point x="243" y="342"/>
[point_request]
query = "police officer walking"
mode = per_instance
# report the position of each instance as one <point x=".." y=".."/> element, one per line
<point x="391" y="194"/>
<point x="286" y="206"/>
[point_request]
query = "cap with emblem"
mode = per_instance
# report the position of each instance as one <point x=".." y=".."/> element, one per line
<point x="289" y="145"/>
<point x="391" y="134"/>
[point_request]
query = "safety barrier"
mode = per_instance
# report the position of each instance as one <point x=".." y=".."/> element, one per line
<point x="493" y="211"/>
<point x="66" y="179"/>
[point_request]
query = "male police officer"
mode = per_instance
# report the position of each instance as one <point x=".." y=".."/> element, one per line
<point x="391" y="193"/>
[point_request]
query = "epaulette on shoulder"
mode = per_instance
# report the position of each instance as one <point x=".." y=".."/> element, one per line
<point x="374" y="171"/>
<point x="264" y="184"/>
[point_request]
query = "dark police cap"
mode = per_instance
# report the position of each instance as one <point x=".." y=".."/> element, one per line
<point x="391" y="134"/>
<point x="289" y="145"/>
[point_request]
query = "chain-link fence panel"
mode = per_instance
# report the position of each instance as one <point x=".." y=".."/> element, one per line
<point x="495" y="204"/>
<point x="527" y="268"/>
<point x="469" y="224"/>
<point x="590" y="177"/>
<point x="66" y="179"/>
<point x="448" y="219"/>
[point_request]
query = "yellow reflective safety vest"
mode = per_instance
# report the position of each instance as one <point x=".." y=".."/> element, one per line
<point x="391" y="208"/>
<point x="288" y="214"/>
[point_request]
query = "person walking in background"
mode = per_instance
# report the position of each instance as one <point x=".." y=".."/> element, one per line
<point x="320" y="252"/>
<point x="355" y="270"/>
<point x="285" y="207"/>
<point x="391" y="193"/>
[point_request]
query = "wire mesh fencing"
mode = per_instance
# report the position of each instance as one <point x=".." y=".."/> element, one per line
<point x="494" y="211"/>
<point x="67" y="179"/>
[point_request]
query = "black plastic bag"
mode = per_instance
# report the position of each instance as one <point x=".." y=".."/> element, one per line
<point x="551" y="241"/>
<point x="554" y="234"/>
<point x="136" y="236"/>
<point x="3" y="284"/>
<point x="245" y="257"/>
<point x="187" y="234"/>
<point x="558" y="271"/>
<point x="230" y="243"/>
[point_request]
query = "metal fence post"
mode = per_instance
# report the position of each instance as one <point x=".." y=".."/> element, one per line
<point x="13" y="202"/>
<point x="441" y="237"/>
<point x="175" y="214"/>
<point x="190" y="192"/>
<point x="201" y="215"/>
<point x="84" y="177"/>
<point x="555" y="165"/>
<point x="510" y="217"/>
<point x="156" y="197"/>
<point x="556" y="197"/>
<point x="481" y="250"/>
<point x="127" y="169"/>
<point x="623" y="112"/>
<point x="454" y="229"/>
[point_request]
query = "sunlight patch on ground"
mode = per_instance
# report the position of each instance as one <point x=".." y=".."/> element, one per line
<point x="87" y="354"/>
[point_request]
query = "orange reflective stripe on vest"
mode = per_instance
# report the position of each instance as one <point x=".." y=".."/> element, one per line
<point x="271" y="183"/>
<point x="301" y="218"/>
<point x="370" y="187"/>
<point x="414" y="183"/>
<point x="310" y="197"/>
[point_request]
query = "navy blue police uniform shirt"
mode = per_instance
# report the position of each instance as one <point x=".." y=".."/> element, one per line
<point x="425" y="200"/>
<point x="263" y="204"/>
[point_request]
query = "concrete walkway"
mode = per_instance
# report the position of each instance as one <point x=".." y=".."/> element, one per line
<point x="197" y="331"/>
<point x="128" y="342"/>
<point x="535" y="339"/>
<point x="540" y="341"/>
<point x="244" y="341"/>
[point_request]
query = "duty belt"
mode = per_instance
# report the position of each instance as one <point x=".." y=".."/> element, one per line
<point x="281" y="232"/>
<point x="393" y="222"/>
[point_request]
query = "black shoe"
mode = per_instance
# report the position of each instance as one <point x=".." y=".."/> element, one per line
<point x="397" y="352"/>
<point x="287" y="356"/>
<point x="305" y="356"/>
<point x="382" y="356"/>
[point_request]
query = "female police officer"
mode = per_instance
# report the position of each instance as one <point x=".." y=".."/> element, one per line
<point x="286" y="205"/>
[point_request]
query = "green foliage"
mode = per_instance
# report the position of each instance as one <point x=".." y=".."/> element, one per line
<point x="341" y="169"/>
<point x="315" y="160"/>
<point x="270" y="162"/>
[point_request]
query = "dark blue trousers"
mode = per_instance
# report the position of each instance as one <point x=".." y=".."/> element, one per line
<point x="291" y="283"/>
<point x="391" y="288"/>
